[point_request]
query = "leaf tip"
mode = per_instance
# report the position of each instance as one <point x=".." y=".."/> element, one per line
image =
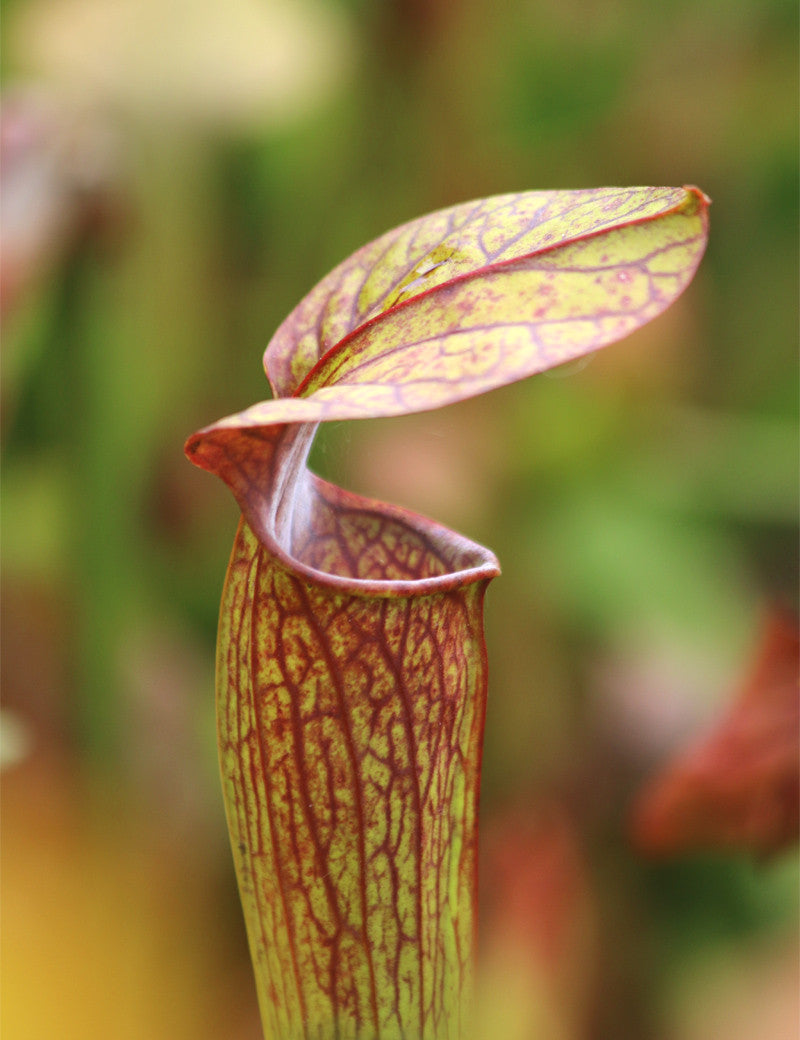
<point x="191" y="448"/>
<point x="697" y="201"/>
<point x="215" y="448"/>
<point x="195" y="450"/>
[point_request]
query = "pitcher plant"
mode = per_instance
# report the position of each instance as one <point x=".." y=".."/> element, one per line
<point x="351" y="663"/>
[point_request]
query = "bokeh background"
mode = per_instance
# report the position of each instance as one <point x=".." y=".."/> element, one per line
<point x="176" y="175"/>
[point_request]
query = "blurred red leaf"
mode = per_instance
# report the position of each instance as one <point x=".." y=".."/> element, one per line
<point x="738" y="787"/>
<point x="539" y="937"/>
<point x="534" y="872"/>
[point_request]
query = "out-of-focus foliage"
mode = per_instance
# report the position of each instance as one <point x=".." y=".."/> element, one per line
<point x="738" y="787"/>
<point x="169" y="204"/>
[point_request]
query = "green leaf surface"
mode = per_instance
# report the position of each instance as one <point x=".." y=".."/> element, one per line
<point x="435" y="249"/>
<point x="478" y="296"/>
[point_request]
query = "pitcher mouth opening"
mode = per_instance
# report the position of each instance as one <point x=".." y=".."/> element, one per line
<point x="357" y="545"/>
<point x="427" y="556"/>
<point x="331" y="537"/>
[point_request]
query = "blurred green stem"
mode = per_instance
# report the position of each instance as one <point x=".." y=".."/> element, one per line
<point x="132" y="321"/>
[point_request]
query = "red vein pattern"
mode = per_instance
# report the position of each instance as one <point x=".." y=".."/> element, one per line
<point x="554" y="290"/>
<point x="351" y="686"/>
<point x="444" y="246"/>
<point x="349" y="733"/>
<point x="351" y="666"/>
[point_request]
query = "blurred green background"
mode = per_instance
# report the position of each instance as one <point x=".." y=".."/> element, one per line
<point x="176" y="176"/>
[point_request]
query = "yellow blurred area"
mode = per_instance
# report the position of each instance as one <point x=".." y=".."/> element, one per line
<point x="107" y="929"/>
<point x="228" y="65"/>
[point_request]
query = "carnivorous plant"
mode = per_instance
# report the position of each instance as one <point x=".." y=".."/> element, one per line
<point x="351" y="668"/>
